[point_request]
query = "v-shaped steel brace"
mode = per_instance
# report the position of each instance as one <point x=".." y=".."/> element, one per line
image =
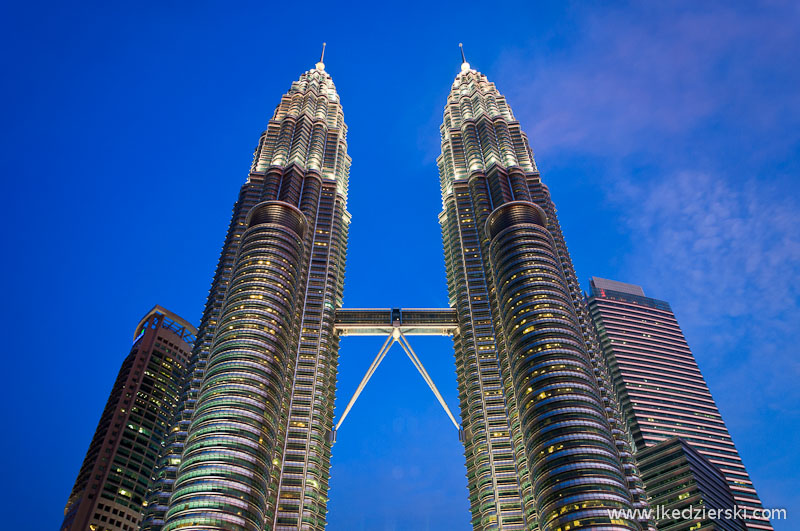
<point x="395" y="337"/>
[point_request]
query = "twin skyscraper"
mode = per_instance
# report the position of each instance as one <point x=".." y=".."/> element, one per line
<point x="551" y="430"/>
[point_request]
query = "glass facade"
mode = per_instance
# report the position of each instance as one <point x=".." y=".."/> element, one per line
<point x="250" y="447"/>
<point x="661" y="390"/>
<point x="109" y="493"/>
<point x="678" y="478"/>
<point x="544" y="444"/>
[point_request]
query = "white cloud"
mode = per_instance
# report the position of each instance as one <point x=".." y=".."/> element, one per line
<point x="646" y="76"/>
<point x="727" y="256"/>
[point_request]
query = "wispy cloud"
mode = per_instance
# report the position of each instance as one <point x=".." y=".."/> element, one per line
<point x="729" y="258"/>
<point x="651" y="78"/>
<point x="690" y="115"/>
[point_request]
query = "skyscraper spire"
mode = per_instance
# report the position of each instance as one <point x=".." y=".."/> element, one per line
<point x="321" y="64"/>
<point x="464" y="64"/>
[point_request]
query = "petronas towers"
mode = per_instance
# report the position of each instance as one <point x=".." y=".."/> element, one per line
<point x="251" y="445"/>
<point x="252" y="431"/>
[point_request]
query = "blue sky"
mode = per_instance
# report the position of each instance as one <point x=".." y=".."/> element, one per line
<point x="668" y="133"/>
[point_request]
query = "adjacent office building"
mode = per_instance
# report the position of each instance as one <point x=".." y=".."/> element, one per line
<point x="661" y="390"/>
<point x="109" y="493"/>
<point x="687" y="488"/>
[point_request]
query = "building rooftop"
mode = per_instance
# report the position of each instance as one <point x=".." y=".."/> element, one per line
<point x="615" y="285"/>
<point x="178" y="324"/>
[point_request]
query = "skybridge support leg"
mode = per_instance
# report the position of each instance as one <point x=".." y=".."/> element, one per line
<point x="400" y="338"/>
<point x="395" y="337"/>
<point x="377" y="361"/>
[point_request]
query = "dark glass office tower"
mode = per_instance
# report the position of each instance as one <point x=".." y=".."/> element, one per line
<point x="250" y="448"/>
<point x="110" y="489"/>
<point x="544" y="444"/>
<point x="681" y="484"/>
<point x="661" y="390"/>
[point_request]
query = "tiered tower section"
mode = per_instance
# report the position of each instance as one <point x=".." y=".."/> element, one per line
<point x="543" y="442"/>
<point x="250" y="449"/>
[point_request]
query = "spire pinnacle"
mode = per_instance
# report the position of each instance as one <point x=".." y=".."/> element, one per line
<point x="321" y="64"/>
<point x="464" y="63"/>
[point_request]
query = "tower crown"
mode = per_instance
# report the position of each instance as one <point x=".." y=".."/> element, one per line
<point x="479" y="130"/>
<point x="307" y="129"/>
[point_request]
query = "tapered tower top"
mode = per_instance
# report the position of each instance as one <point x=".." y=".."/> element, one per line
<point x="307" y="129"/>
<point x="479" y="130"/>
